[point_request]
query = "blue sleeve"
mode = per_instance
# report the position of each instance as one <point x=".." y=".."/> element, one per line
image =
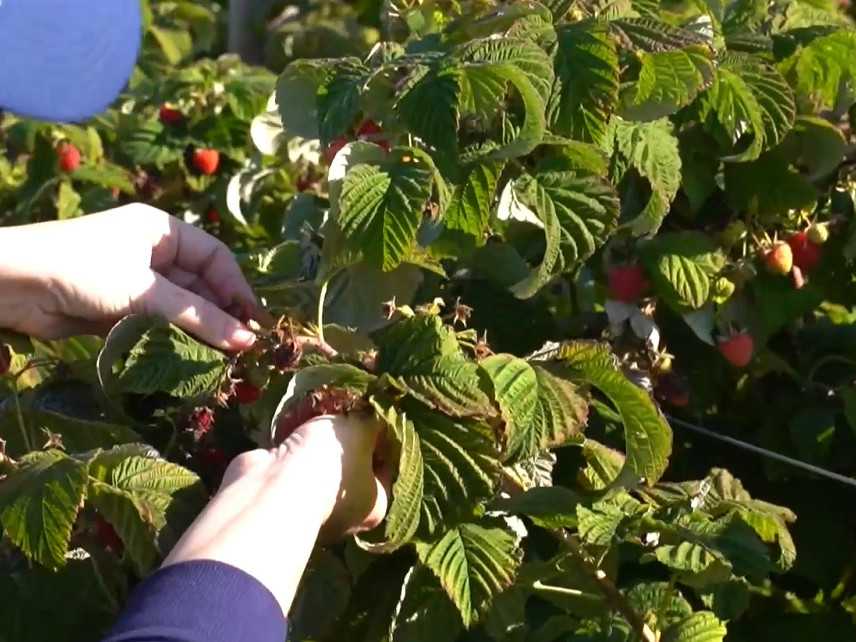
<point x="200" y="601"/>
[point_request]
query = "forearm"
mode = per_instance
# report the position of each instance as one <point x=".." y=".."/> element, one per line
<point x="266" y="517"/>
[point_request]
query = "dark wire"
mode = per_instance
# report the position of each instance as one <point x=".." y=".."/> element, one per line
<point x="796" y="463"/>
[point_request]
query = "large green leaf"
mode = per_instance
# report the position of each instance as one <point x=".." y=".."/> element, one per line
<point x="578" y="212"/>
<point x="647" y="434"/>
<point x="39" y="504"/>
<point x="586" y="87"/>
<point x="166" y="359"/>
<point x="461" y="466"/>
<point x="437" y="126"/>
<point x="682" y="266"/>
<point x="523" y="55"/>
<point x="474" y="562"/>
<point x="702" y="626"/>
<point x="402" y="520"/>
<point x="652" y="150"/>
<point x="424" y="354"/>
<point x="469" y="209"/>
<point x="425" y="613"/>
<point x="668" y="81"/>
<point x="541" y="410"/>
<point x="320" y="98"/>
<point x="148" y="500"/>
<point x="650" y="34"/>
<point x="382" y="204"/>
<point x="486" y="88"/>
<point x="546" y="506"/>
<point x="817" y="70"/>
<point x="749" y="100"/>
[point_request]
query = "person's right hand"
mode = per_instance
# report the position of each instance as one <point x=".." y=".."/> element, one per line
<point x="80" y="276"/>
<point x="273" y="504"/>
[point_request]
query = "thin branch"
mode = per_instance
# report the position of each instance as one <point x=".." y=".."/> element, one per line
<point x="318" y="345"/>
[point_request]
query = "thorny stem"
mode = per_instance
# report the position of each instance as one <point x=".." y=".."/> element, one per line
<point x="609" y="591"/>
<point x="613" y="596"/>
<point x="318" y="345"/>
<point x="21" y="424"/>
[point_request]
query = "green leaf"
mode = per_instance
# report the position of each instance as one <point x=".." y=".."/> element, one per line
<point x="469" y="209"/>
<point x="586" y="88"/>
<point x="297" y="96"/>
<point x="768" y="187"/>
<point x="166" y="359"/>
<point x="106" y="175"/>
<point x="39" y="504"/>
<point x="749" y="99"/>
<point x="701" y="626"/>
<point x="67" y="201"/>
<point x="461" y="466"/>
<point x="681" y="266"/>
<point x="578" y="211"/>
<point x="693" y="557"/>
<point x="531" y="131"/>
<point x="425" y="613"/>
<point x="424" y="355"/>
<point x="597" y="526"/>
<point x="546" y="506"/>
<point x="652" y="150"/>
<point x="603" y="465"/>
<point x="499" y="53"/>
<point x="175" y="44"/>
<point x="817" y="70"/>
<point x="474" y="562"/>
<point x="339" y="100"/>
<point x="647" y="434"/>
<point x="650" y="34"/>
<point x="662" y="599"/>
<point x="668" y="81"/>
<point x="149" y="501"/>
<point x="402" y="520"/>
<point x="381" y="207"/>
<point x="78" y="435"/>
<point x="541" y="410"/>
<point x="437" y="126"/>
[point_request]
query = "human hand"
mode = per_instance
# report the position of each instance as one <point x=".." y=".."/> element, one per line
<point x="82" y="275"/>
<point x="272" y="504"/>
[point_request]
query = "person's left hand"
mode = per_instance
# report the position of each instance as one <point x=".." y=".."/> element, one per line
<point x="82" y="275"/>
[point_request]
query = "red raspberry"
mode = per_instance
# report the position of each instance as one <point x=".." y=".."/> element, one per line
<point x="206" y="161"/>
<point x="334" y="148"/>
<point x="201" y="422"/>
<point x="107" y="535"/>
<point x="737" y="349"/>
<point x="627" y="283"/>
<point x="212" y="216"/>
<point x="247" y="393"/>
<point x="371" y="131"/>
<point x="806" y="254"/>
<point x="169" y="115"/>
<point x="69" y="157"/>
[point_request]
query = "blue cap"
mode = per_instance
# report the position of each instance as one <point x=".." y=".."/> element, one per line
<point x="66" y="60"/>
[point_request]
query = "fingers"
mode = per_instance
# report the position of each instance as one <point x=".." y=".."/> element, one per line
<point x="195" y="314"/>
<point x="195" y="251"/>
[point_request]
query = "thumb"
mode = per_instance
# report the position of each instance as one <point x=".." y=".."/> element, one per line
<point x="196" y="315"/>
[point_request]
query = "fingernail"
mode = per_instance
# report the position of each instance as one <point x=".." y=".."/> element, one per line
<point x="243" y="337"/>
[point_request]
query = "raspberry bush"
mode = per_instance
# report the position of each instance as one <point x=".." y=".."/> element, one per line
<point x="524" y="236"/>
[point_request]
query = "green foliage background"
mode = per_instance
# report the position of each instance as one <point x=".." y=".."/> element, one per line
<point x="523" y="149"/>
